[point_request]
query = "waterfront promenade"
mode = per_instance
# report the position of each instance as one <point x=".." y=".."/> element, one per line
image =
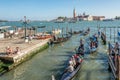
<point x="25" y="49"/>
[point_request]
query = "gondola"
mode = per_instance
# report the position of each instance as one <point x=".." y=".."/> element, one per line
<point x="60" y="40"/>
<point x="75" y="32"/>
<point x="42" y="37"/>
<point x="71" y="75"/>
<point x="86" y="32"/>
<point x="93" y="45"/>
<point x="93" y="49"/>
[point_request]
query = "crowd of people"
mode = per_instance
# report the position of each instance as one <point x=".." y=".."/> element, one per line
<point x="74" y="62"/>
<point x="10" y="51"/>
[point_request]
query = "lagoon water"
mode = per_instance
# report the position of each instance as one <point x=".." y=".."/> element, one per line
<point x="53" y="60"/>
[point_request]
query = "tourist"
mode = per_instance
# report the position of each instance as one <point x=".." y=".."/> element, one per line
<point x="17" y="50"/>
<point x="54" y="38"/>
<point x="88" y="29"/>
<point x="117" y="46"/>
<point x="99" y="32"/>
<point x="92" y="44"/>
<point x="81" y="49"/>
<point x="78" y="61"/>
<point x="95" y="36"/>
<point x="73" y="60"/>
<point x="96" y="44"/>
<point x="9" y="50"/>
<point x="81" y="41"/>
<point x="70" y="68"/>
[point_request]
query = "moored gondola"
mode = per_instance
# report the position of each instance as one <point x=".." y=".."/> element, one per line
<point x="75" y="32"/>
<point x="62" y="39"/>
<point x="86" y="32"/>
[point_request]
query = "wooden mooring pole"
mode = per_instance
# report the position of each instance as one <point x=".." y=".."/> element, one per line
<point x="114" y="35"/>
<point x="110" y="34"/>
<point x="62" y="32"/>
<point x="118" y="68"/>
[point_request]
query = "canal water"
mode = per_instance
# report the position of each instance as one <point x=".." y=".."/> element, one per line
<point x="54" y="60"/>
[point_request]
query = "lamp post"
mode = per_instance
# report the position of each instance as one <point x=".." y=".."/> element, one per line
<point x="25" y="22"/>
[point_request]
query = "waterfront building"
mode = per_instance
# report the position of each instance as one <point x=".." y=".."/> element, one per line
<point x="98" y="18"/>
<point x="85" y="17"/>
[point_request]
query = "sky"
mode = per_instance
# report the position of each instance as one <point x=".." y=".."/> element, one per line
<point x="50" y="9"/>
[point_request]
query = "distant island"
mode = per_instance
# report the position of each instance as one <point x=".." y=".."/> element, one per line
<point x="3" y="21"/>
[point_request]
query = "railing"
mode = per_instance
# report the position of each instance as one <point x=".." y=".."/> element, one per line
<point x="114" y="62"/>
<point x="110" y="61"/>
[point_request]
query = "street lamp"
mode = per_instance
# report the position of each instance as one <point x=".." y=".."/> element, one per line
<point x="25" y="22"/>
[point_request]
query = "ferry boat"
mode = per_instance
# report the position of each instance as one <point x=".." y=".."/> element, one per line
<point x="72" y="21"/>
<point x="108" y="20"/>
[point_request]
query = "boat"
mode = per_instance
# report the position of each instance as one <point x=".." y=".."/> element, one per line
<point x="65" y="76"/>
<point x="42" y="37"/>
<point x="69" y="76"/>
<point x="72" y="21"/>
<point x="86" y="32"/>
<point x="93" y="44"/>
<point x="108" y="20"/>
<point x="93" y="49"/>
<point x="75" y="32"/>
<point x="62" y="39"/>
<point x="59" y="21"/>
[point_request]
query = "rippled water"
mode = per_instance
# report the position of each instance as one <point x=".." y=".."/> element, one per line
<point x="53" y="60"/>
<point x="95" y="66"/>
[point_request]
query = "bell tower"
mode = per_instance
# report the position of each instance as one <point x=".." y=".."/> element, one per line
<point x="74" y="13"/>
